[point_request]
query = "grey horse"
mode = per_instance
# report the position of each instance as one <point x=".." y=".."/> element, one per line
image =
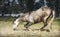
<point x="40" y="15"/>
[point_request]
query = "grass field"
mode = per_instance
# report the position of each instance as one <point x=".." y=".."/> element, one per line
<point x="6" y="29"/>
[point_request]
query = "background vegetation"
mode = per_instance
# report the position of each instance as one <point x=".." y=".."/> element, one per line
<point x="17" y="6"/>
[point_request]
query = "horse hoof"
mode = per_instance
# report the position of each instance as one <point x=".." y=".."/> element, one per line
<point x="45" y="30"/>
<point x="14" y="29"/>
<point x="42" y="29"/>
<point x="48" y="30"/>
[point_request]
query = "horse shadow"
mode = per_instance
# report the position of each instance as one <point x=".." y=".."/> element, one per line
<point x="47" y="30"/>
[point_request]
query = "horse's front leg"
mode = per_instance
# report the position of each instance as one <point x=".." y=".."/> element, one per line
<point x="27" y="26"/>
<point x="16" y="22"/>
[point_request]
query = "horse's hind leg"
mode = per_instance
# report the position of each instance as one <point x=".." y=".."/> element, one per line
<point x="45" y="23"/>
<point x="16" y="22"/>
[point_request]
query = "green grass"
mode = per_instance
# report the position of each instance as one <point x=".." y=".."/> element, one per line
<point x="6" y="29"/>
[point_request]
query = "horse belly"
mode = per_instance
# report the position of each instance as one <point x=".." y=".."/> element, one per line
<point x="38" y="20"/>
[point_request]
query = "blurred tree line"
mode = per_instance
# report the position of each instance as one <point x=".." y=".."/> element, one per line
<point x="17" y="6"/>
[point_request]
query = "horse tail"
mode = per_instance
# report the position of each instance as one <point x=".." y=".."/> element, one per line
<point x="52" y="18"/>
<point x="53" y="13"/>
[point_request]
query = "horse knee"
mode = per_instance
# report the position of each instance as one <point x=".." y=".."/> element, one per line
<point x="16" y="22"/>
